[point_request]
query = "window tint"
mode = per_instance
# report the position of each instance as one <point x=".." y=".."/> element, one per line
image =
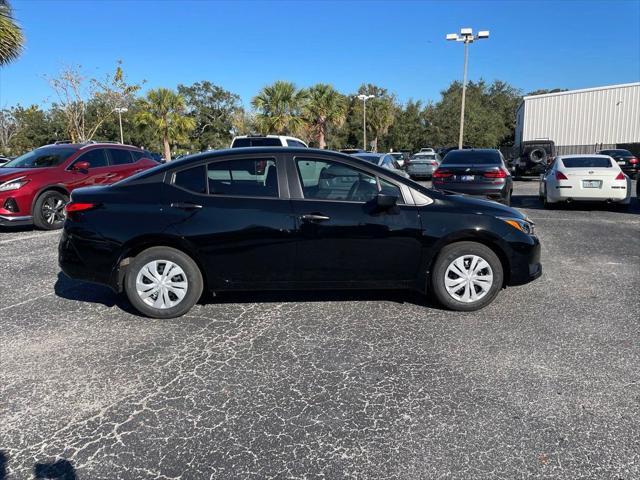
<point x="387" y="162"/>
<point x="245" y="177"/>
<point x="586" y="162"/>
<point x="119" y="156"/>
<point x="469" y="157"/>
<point x="388" y="188"/>
<point x="257" y="142"/>
<point x="137" y="155"/>
<point x="335" y="181"/>
<point x="295" y="143"/>
<point x="369" y="158"/>
<point x="41" y="158"/>
<point x="192" y="179"/>
<point x="96" y="158"/>
<point x="617" y="153"/>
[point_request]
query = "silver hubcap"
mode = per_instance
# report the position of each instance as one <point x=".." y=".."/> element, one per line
<point x="161" y="284"/>
<point x="468" y="278"/>
<point x="53" y="210"/>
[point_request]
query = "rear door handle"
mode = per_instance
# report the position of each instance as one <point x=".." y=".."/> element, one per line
<point x="312" y="217"/>
<point x="186" y="205"/>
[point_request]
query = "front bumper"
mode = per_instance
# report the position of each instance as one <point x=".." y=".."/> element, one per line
<point x="15" y="220"/>
<point x="525" y="262"/>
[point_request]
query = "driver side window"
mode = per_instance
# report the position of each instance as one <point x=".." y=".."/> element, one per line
<point x="95" y="158"/>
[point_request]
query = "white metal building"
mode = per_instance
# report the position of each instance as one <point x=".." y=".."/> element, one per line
<point x="579" y="120"/>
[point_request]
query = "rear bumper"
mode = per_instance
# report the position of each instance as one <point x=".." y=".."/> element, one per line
<point x="420" y="170"/>
<point x="17" y="220"/>
<point x="561" y="193"/>
<point x="490" y="191"/>
<point x="89" y="260"/>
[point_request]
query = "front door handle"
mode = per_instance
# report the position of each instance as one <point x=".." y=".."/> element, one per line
<point x="312" y="217"/>
<point x="186" y="205"/>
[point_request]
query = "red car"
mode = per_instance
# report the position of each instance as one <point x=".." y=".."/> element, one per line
<point x="35" y="187"/>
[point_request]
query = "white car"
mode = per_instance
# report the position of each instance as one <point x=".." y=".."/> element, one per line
<point x="427" y="150"/>
<point x="584" y="178"/>
<point x="266" y="141"/>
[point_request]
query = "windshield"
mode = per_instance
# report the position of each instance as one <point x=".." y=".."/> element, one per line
<point x="369" y="158"/>
<point x="470" y="157"/>
<point x="41" y="158"/>
<point x="586" y="162"/>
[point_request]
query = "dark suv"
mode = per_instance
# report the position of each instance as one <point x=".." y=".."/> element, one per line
<point x="533" y="157"/>
<point x="628" y="161"/>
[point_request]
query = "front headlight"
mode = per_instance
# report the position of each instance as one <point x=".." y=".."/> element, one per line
<point x="525" y="226"/>
<point x="13" y="184"/>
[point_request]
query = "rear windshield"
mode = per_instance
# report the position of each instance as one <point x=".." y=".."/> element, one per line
<point x="369" y="158"/>
<point x="619" y="153"/>
<point x="256" y="142"/>
<point x="41" y="158"/>
<point x="586" y="162"/>
<point x="424" y="156"/>
<point x="462" y="157"/>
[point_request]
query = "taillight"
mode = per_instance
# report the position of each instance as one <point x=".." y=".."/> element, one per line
<point x="78" y="207"/>
<point x="620" y="176"/>
<point x="633" y="160"/>
<point x="561" y="176"/>
<point x="500" y="173"/>
<point x="441" y="174"/>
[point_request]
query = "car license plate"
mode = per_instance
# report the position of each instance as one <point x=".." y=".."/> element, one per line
<point x="467" y="178"/>
<point x="621" y="162"/>
<point x="591" y="183"/>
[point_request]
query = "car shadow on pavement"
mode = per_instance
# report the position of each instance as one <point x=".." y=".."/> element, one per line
<point x="57" y="470"/>
<point x="70" y="289"/>
<point x="532" y="202"/>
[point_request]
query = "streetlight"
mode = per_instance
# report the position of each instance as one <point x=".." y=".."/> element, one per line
<point x="364" y="99"/>
<point x="466" y="36"/>
<point x="120" y="111"/>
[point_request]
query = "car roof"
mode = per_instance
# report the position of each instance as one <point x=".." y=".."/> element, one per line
<point x="79" y="146"/>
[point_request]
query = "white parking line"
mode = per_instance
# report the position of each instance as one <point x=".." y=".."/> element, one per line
<point x="35" y="235"/>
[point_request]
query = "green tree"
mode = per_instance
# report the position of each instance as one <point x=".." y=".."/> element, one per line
<point x="163" y="111"/>
<point x="324" y="108"/>
<point x="34" y="127"/>
<point x="11" y="37"/>
<point x="279" y="109"/>
<point x="213" y="110"/>
<point x="410" y="127"/>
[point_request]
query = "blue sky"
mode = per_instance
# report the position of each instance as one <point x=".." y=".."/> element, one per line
<point x="399" y="45"/>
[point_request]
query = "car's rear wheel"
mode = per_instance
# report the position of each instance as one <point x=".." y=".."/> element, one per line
<point x="163" y="282"/>
<point x="48" y="211"/>
<point x="466" y="276"/>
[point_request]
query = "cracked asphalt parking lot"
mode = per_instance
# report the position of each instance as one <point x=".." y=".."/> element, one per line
<point x="544" y="383"/>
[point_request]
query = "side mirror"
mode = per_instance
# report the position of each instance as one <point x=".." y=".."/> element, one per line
<point x="384" y="201"/>
<point x="81" y="166"/>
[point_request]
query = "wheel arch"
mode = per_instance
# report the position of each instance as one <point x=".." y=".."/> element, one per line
<point x="484" y="238"/>
<point x="55" y="187"/>
<point x="137" y="245"/>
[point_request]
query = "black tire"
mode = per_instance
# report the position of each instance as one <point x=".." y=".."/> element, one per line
<point x="507" y="200"/>
<point x="48" y="211"/>
<point x="184" y="261"/>
<point x="454" y="251"/>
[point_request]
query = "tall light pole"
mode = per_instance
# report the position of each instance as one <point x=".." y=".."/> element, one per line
<point x="466" y="36"/>
<point x="120" y="111"/>
<point x="364" y="99"/>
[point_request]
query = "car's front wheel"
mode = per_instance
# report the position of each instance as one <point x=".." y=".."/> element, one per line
<point x="163" y="282"/>
<point x="48" y="211"/>
<point x="466" y="276"/>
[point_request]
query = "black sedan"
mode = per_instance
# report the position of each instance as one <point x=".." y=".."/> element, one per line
<point x="478" y="172"/>
<point x="628" y="161"/>
<point x="268" y="218"/>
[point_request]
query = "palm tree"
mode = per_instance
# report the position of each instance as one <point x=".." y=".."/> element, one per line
<point x="11" y="38"/>
<point x="279" y="108"/>
<point x="324" y="108"/>
<point x="163" y="111"/>
<point x="379" y="118"/>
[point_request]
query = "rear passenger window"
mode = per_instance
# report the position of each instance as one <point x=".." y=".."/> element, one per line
<point x="137" y="155"/>
<point x="120" y="157"/>
<point x="245" y="178"/>
<point x="192" y="179"/>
